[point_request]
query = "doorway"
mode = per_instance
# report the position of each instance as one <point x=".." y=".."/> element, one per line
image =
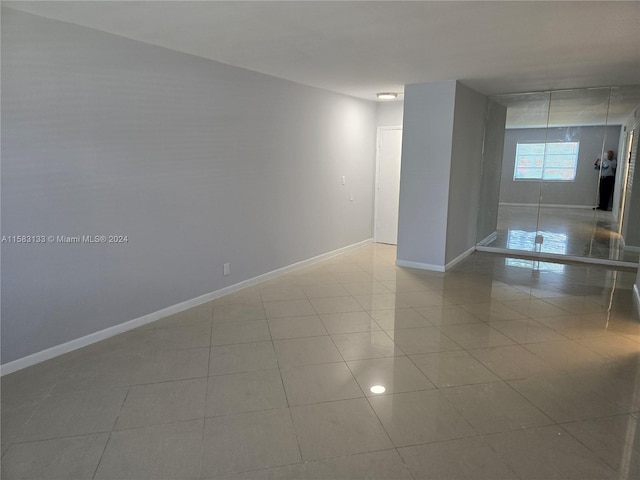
<point x="387" y="201"/>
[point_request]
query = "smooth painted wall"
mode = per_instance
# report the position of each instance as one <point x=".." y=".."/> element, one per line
<point x="426" y="159"/>
<point x="198" y="163"/>
<point x="582" y="191"/>
<point x="466" y="168"/>
<point x="389" y="113"/>
<point x="491" y="169"/>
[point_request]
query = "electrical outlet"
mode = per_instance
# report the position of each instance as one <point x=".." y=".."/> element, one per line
<point x="227" y="269"/>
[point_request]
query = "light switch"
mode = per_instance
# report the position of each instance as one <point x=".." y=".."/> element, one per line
<point x="344" y="180"/>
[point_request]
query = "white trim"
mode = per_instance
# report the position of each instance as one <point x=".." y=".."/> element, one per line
<point x="459" y="258"/>
<point x="81" y="342"/>
<point x="377" y="178"/>
<point x="421" y="266"/>
<point x="556" y="256"/>
<point x="488" y="239"/>
<point x="636" y="297"/>
<point x="544" y="205"/>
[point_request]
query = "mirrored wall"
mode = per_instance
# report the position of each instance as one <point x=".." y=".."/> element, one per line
<point x="558" y="175"/>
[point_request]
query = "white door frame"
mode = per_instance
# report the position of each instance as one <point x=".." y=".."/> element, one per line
<point x="375" y="207"/>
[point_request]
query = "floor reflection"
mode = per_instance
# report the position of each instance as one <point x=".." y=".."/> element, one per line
<point x="577" y="232"/>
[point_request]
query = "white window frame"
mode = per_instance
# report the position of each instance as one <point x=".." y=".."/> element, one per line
<point x="546" y="157"/>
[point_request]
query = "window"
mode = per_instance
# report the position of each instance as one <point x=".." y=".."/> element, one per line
<point x="546" y="161"/>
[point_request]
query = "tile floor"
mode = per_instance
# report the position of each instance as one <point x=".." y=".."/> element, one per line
<point x="491" y="371"/>
<point x="578" y="232"/>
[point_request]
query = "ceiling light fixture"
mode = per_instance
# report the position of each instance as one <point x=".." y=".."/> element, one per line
<point x="387" y="95"/>
<point x="378" y="389"/>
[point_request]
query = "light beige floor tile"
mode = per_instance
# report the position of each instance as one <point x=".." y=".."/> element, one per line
<point x="277" y="293"/>
<point x="612" y="347"/>
<point x="169" y="338"/>
<point x="446" y="315"/>
<point x="461" y="459"/>
<point x="244" y="392"/>
<point x="494" y="407"/>
<point x="351" y="322"/>
<point x="506" y="293"/>
<point x="288" y="308"/>
<point x="245" y="357"/>
<point x="249" y="441"/>
<point x="576" y="326"/>
<point x="366" y="288"/>
<point x="395" y="374"/>
<point x="336" y="305"/>
<point x="476" y="335"/>
<point x="448" y="369"/>
<point x="240" y="332"/>
<point x="526" y="331"/>
<point x="361" y="346"/>
<point x="616" y="440"/>
<point x="566" y="355"/>
<point x="469" y="294"/>
<point x="420" y="417"/>
<point x="338" y="428"/>
<point x="202" y="314"/>
<point x="68" y="458"/>
<point x="535" y="308"/>
<point x="326" y="290"/>
<point x="14" y="416"/>
<point x="565" y="399"/>
<point x="491" y="311"/>
<point x="381" y="465"/>
<point x="241" y="312"/>
<point x="169" y="451"/>
<point x="510" y="362"/>
<point x="401" y="318"/>
<point x="353" y="277"/>
<point x="163" y="403"/>
<point x="296" y="327"/>
<point x="380" y="301"/>
<point x="297" y="352"/>
<point x="319" y="383"/>
<point x="547" y="452"/>
<point x="246" y="296"/>
<point x="77" y="413"/>
<point x="420" y="299"/>
<point x="422" y="340"/>
<point x="35" y="382"/>
<point x="578" y="304"/>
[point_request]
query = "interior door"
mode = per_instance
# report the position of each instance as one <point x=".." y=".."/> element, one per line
<point x="388" y="184"/>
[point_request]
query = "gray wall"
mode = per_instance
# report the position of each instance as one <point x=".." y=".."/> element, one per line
<point x="199" y="163"/>
<point x="580" y="192"/>
<point x="389" y="114"/>
<point x="424" y="174"/>
<point x="491" y="169"/>
<point x="466" y="162"/>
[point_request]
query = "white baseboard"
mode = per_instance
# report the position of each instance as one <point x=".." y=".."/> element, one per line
<point x="459" y="258"/>
<point x="488" y="239"/>
<point x="421" y="266"/>
<point x="544" y="205"/>
<point x="81" y="342"/>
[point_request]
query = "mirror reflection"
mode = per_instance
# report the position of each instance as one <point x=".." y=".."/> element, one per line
<point x="558" y="171"/>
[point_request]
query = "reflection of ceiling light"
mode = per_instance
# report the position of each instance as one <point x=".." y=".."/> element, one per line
<point x="386" y="95"/>
<point x="378" y="389"/>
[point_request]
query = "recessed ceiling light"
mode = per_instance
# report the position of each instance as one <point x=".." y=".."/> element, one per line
<point x="377" y="389"/>
<point x="386" y="95"/>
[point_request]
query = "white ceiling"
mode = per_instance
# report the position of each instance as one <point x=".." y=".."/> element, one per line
<point x="363" y="47"/>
